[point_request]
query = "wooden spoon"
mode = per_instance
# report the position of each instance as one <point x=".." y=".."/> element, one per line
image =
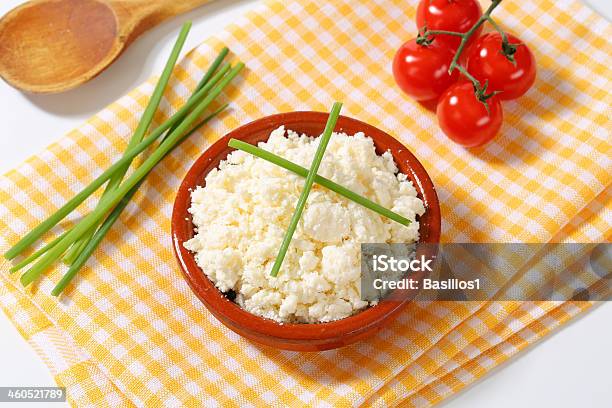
<point x="50" y="46"/>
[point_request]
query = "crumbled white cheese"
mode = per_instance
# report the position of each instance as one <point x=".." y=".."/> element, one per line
<point x="243" y="211"/>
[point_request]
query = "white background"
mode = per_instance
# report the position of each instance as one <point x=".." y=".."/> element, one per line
<point x="569" y="369"/>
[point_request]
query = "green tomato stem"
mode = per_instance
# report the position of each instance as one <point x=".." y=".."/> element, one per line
<point x="467" y="35"/>
<point x="469" y="76"/>
<point x="498" y="29"/>
<point x="465" y="38"/>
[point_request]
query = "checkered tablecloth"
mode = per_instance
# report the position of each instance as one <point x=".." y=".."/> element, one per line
<point x="130" y="332"/>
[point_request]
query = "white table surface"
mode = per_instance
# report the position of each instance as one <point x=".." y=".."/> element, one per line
<point x="569" y="369"/>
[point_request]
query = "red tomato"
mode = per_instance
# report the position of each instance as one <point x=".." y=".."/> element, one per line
<point x="422" y="70"/>
<point x="485" y="60"/>
<point x="465" y="119"/>
<point x="449" y="15"/>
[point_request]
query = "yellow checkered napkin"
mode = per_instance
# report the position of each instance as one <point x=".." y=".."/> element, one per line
<point x="130" y="332"/>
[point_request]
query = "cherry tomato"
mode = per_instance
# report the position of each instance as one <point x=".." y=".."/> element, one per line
<point x="485" y="60"/>
<point x="422" y="70"/>
<point x="465" y="119"/>
<point x="449" y="15"/>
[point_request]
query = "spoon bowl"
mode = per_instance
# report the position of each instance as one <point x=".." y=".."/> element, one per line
<point x="51" y="46"/>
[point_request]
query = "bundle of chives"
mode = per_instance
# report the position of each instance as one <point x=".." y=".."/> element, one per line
<point x="92" y="243"/>
<point x="113" y="198"/>
<point x="141" y="129"/>
<point x="86" y="235"/>
<point x="145" y="122"/>
<point x="60" y="214"/>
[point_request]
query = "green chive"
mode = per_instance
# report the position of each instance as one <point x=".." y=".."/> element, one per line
<point x="59" y="215"/>
<point x="99" y="235"/>
<point x="314" y="167"/>
<point x="213" y="67"/>
<point x="115" y="196"/>
<point x="207" y="76"/>
<point x="149" y="113"/>
<point x="322" y="181"/>
<point x="37" y="254"/>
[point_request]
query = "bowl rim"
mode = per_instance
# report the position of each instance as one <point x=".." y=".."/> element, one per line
<point x="229" y="312"/>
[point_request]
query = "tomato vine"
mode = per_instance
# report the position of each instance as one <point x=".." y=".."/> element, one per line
<point x="426" y="37"/>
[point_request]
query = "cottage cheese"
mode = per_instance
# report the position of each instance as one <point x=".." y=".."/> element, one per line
<point x="243" y="211"/>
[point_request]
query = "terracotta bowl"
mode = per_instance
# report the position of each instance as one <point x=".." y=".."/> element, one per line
<point x="298" y="337"/>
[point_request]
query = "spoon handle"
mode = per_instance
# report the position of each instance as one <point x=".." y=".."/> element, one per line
<point x="171" y="8"/>
<point x="138" y="16"/>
